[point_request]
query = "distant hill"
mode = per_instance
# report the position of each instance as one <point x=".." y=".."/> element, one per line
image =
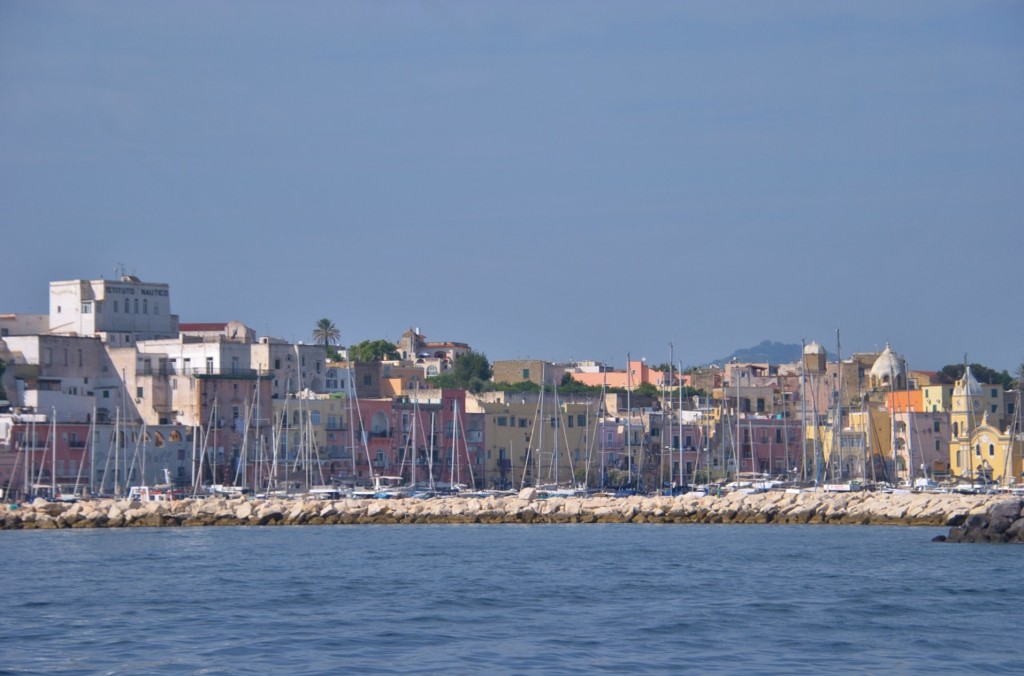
<point x="768" y="351"/>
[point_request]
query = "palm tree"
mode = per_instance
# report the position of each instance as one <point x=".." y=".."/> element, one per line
<point x="326" y="333"/>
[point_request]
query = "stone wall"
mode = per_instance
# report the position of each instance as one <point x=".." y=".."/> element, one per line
<point x="956" y="511"/>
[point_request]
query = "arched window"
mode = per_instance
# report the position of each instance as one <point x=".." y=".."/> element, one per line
<point x="379" y="423"/>
<point x="991" y="450"/>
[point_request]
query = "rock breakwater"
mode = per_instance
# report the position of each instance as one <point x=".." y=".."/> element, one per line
<point x="954" y="511"/>
<point x="1003" y="522"/>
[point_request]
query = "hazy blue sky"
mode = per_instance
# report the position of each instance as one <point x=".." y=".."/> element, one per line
<point x="546" y="179"/>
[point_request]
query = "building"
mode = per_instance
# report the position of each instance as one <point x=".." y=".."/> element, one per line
<point x="535" y="371"/>
<point x="539" y="440"/>
<point x="118" y="312"/>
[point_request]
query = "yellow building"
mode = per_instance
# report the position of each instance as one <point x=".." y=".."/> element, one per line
<point x="979" y="450"/>
<point x="314" y="427"/>
<point x="987" y="454"/>
<point x="530" y="446"/>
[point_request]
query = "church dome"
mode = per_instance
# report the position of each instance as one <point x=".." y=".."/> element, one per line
<point x="888" y="370"/>
<point x="813" y="348"/>
<point x="967" y="386"/>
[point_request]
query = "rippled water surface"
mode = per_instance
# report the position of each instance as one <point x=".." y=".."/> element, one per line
<point x="507" y="599"/>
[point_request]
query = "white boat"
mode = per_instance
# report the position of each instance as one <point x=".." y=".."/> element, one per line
<point x="383" y="487"/>
<point x="845" y="487"/>
<point x="146" y="494"/>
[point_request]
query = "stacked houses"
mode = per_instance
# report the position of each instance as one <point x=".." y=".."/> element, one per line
<point x="110" y="390"/>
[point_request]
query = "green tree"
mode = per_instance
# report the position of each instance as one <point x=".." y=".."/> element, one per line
<point x="327" y="334"/>
<point x="648" y="389"/>
<point x="471" y="365"/>
<point x="950" y="373"/>
<point x="570" y="385"/>
<point x="373" y="350"/>
<point x="471" y="371"/>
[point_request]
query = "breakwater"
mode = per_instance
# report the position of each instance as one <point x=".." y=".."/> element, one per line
<point x="911" y="509"/>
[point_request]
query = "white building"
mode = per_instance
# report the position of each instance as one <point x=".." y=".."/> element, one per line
<point x="118" y="312"/>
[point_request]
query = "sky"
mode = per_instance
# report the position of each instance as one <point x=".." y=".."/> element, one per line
<point x="556" y="180"/>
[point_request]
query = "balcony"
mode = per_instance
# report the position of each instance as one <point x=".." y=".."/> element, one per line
<point x="229" y="373"/>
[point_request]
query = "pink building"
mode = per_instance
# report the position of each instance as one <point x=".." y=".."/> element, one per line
<point x="437" y="443"/>
<point x="41" y="454"/>
<point x="637" y="374"/>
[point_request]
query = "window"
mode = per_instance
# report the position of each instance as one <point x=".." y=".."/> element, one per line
<point x="991" y="450"/>
<point x="115" y="306"/>
<point x="569" y="420"/>
<point x="581" y="420"/>
<point x="502" y="421"/>
<point x="139" y="391"/>
<point x="938" y="444"/>
<point x="79" y="357"/>
<point x="106" y="394"/>
<point x="86" y="308"/>
<point x="136" y="311"/>
<point x="936" y="426"/>
<point x="314" y="417"/>
<point x="995" y="393"/>
<point x="522" y="422"/>
<point x="778" y="436"/>
<point x="367" y="380"/>
<point x="526" y="374"/>
<point x="145" y="306"/>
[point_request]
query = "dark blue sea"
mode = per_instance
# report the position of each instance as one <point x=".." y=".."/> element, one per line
<point x="508" y="600"/>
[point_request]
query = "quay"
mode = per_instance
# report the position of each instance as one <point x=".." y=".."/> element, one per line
<point x="958" y="512"/>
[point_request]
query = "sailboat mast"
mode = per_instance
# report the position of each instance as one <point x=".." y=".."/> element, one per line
<point x="803" y="408"/>
<point x="53" y="457"/>
<point x="629" y="419"/>
<point x="682" y="465"/>
<point x="838" y="427"/>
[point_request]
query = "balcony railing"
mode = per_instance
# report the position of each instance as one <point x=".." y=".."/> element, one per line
<point x="230" y="373"/>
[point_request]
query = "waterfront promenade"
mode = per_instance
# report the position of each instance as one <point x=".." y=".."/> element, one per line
<point x="910" y="509"/>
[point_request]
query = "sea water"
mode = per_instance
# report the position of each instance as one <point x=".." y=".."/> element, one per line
<point x="620" y="598"/>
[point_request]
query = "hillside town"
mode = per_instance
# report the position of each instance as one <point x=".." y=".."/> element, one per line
<point x="109" y="393"/>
